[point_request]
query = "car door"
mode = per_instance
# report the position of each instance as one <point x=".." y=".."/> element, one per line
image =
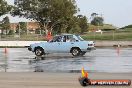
<point x="54" y="45"/>
<point x="65" y="45"/>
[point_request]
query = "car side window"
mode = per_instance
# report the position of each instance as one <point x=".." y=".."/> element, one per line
<point x="69" y="38"/>
<point x="64" y="38"/>
<point x="58" y="39"/>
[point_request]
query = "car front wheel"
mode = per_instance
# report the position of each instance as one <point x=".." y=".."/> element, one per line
<point x="75" y="52"/>
<point x="39" y="52"/>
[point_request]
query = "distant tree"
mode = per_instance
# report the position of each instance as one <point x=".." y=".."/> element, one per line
<point x="128" y="26"/>
<point x="11" y="32"/>
<point x="37" y="31"/>
<point x="4" y="7"/>
<point x="83" y="23"/>
<point x="23" y="27"/>
<point x="75" y="29"/>
<point x="52" y="14"/>
<point x="96" y="19"/>
<point x="71" y="26"/>
<point x="17" y="29"/>
<point x="94" y="15"/>
<point x="6" y="24"/>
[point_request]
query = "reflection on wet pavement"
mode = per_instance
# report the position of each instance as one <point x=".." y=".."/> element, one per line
<point x="99" y="60"/>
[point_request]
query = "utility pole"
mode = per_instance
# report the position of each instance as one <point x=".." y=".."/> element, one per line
<point x="27" y="27"/>
<point x="0" y="32"/>
<point x="19" y="29"/>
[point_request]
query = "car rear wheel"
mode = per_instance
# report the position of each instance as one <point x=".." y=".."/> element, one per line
<point x="75" y="52"/>
<point x="39" y="51"/>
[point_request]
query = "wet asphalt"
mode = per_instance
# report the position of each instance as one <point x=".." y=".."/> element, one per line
<point x="107" y="59"/>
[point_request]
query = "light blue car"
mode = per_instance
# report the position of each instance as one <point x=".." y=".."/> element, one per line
<point x="65" y="43"/>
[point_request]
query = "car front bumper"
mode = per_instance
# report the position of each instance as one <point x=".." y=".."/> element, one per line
<point x="88" y="49"/>
<point x="93" y="48"/>
<point x="29" y="48"/>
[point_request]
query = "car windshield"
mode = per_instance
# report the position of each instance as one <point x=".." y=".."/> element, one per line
<point x="80" y="38"/>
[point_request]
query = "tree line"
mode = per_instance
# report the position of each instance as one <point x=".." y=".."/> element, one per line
<point x="58" y="16"/>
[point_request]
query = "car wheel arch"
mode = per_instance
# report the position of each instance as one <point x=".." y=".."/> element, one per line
<point x="38" y="47"/>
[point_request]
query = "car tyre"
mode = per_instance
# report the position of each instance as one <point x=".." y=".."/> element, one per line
<point x="75" y="52"/>
<point x="39" y="51"/>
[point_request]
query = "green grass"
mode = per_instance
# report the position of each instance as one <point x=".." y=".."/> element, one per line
<point x="122" y="35"/>
<point x="111" y="36"/>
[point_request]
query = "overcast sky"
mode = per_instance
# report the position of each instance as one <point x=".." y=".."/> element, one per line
<point x="116" y="12"/>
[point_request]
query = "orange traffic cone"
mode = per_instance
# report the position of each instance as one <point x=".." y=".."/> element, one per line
<point x="84" y="73"/>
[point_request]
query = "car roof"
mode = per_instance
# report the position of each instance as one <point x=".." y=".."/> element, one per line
<point x="66" y="34"/>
